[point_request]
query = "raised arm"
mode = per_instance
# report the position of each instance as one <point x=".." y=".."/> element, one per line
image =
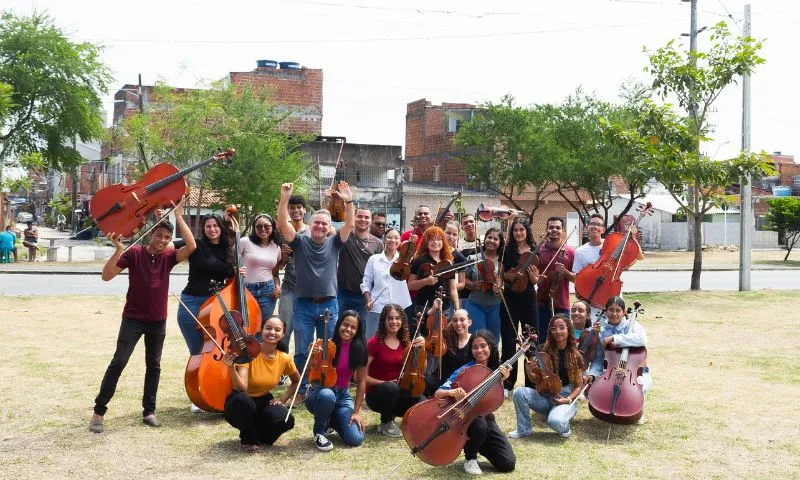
<point x="189" y="245"/>
<point x="346" y="194"/>
<point x="284" y="224"/>
<point x="111" y="269"/>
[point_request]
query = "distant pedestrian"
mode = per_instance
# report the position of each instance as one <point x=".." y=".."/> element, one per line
<point x="31" y="240"/>
<point x="8" y="239"/>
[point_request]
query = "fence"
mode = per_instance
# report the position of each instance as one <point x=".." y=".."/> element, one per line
<point x="674" y="236"/>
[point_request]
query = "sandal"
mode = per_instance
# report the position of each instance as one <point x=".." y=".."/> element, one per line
<point x="251" y="448"/>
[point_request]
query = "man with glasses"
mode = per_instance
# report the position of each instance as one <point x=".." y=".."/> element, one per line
<point x="378" y="226"/>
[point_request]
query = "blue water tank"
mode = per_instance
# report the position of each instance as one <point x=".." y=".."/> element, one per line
<point x="290" y="65"/>
<point x="266" y="64"/>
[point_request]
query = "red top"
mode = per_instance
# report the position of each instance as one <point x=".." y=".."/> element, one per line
<point x="148" y="283"/>
<point x="386" y="362"/>
<point x="407" y="235"/>
<point x="561" y="298"/>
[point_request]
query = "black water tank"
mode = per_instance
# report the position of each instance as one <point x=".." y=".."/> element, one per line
<point x="290" y="65"/>
<point x="266" y="64"/>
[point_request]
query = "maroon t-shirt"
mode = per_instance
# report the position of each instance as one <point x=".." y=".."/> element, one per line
<point x="561" y="297"/>
<point x="386" y="362"/>
<point x="148" y="283"/>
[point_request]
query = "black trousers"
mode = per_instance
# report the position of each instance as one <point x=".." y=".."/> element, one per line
<point x="389" y="401"/>
<point x="129" y="333"/>
<point x="486" y="438"/>
<point x="523" y="313"/>
<point x="256" y="420"/>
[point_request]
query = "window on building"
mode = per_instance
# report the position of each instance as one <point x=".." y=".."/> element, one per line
<point x="358" y="176"/>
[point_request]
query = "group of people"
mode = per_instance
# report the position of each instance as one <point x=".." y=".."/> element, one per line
<point x="345" y="274"/>
<point x="30" y="240"/>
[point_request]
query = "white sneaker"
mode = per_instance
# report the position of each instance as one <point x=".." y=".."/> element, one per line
<point x="322" y="443"/>
<point x="641" y="421"/>
<point x="196" y="409"/>
<point x="517" y="434"/>
<point x="390" y="430"/>
<point x="566" y="434"/>
<point x="506" y="393"/>
<point x="472" y="467"/>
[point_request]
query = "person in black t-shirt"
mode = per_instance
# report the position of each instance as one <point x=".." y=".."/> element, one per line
<point x="213" y="260"/>
<point x="433" y="248"/>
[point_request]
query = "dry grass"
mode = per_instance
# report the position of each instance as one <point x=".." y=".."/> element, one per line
<point x="724" y="367"/>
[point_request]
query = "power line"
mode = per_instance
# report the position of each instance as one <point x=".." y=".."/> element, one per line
<point x="384" y="39"/>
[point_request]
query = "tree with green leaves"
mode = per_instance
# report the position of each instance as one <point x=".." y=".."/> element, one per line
<point x="784" y="217"/>
<point x="696" y="79"/>
<point x="509" y="149"/>
<point x="51" y="94"/>
<point x="187" y="126"/>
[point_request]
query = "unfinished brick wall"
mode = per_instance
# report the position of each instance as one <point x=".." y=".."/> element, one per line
<point x="429" y="144"/>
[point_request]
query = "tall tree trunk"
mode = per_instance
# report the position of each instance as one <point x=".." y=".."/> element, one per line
<point x="697" y="267"/>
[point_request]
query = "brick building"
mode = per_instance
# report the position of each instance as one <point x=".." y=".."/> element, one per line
<point x="291" y="87"/>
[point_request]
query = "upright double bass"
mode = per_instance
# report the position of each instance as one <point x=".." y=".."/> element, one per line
<point x="207" y="379"/>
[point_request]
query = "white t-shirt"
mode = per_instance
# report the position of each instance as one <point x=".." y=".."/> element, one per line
<point x="585" y="255"/>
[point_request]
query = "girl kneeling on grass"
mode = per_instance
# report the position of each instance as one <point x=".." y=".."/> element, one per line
<point x="485" y="436"/>
<point x="251" y="408"/>
<point x="334" y="407"/>
<point x="567" y="362"/>
<point x="383" y="369"/>
<point x="618" y="334"/>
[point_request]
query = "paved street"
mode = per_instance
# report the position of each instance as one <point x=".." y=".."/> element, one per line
<point x="643" y="281"/>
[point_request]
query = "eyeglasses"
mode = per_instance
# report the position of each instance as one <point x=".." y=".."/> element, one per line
<point x="263" y="226"/>
<point x="595" y="224"/>
<point x="379" y="224"/>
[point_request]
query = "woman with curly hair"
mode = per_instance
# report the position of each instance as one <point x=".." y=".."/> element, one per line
<point x="567" y="361"/>
<point x="384" y="362"/>
<point x="433" y="248"/>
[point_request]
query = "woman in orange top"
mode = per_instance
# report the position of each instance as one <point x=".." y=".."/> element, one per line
<point x="251" y="408"/>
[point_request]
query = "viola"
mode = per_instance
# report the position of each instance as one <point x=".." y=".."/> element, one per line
<point x="434" y="343"/>
<point x="412" y="374"/>
<point x="548" y="382"/>
<point x="428" y="269"/>
<point x="321" y="369"/>
<point x="123" y="209"/>
<point x="440" y="221"/>
<point x="600" y="280"/>
<point x="401" y="267"/>
<point x="207" y="379"/>
<point x="518" y="276"/>
<point x="555" y="281"/>
<point x="436" y="429"/>
<point x="616" y="396"/>
<point x="334" y="203"/>
<point x="587" y="345"/>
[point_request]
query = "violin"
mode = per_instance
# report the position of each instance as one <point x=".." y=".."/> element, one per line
<point x="412" y="375"/>
<point x="401" y="267"/>
<point x="436" y="429"/>
<point x="434" y="343"/>
<point x="587" y="344"/>
<point x="440" y="220"/>
<point x="334" y="203"/>
<point x="486" y="269"/>
<point x="428" y="269"/>
<point x="123" y="209"/>
<point x="555" y="281"/>
<point x="207" y="379"/>
<point x="518" y="276"/>
<point x="600" y="280"/>
<point x="616" y="396"/>
<point x="548" y="382"/>
<point x="321" y="370"/>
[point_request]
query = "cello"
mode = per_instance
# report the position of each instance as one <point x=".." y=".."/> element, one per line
<point x="123" y="209"/>
<point x="207" y="379"/>
<point x="616" y="396"/>
<point x="600" y="280"/>
<point x="436" y="429"/>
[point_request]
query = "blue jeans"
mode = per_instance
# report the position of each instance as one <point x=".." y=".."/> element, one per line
<point x="286" y="312"/>
<point x="307" y="320"/>
<point x="262" y="291"/>
<point x="352" y="301"/>
<point x="332" y="407"/>
<point x="373" y="319"/>
<point x="558" y="416"/>
<point x="189" y="329"/>
<point x="484" y="317"/>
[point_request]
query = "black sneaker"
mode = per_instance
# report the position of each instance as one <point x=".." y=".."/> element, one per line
<point x="322" y="443"/>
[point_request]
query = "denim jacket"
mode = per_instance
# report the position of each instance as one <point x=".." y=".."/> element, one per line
<point x="635" y="338"/>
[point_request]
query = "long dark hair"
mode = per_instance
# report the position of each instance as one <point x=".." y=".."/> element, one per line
<point x="402" y="334"/>
<point x="572" y="355"/>
<point x="282" y="347"/>
<point x="494" y="355"/>
<point x="511" y="255"/>
<point x="274" y="236"/>
<point x="502" y="243"/>
<point x="226" y="252"/>
<point x="358" y="351"/>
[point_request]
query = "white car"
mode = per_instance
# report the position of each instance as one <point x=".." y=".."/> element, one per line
<point x="24" y="217"/>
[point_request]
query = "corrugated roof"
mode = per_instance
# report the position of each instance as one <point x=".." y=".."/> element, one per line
<point x="437" y="191"/>
<point x="210" y="197"/>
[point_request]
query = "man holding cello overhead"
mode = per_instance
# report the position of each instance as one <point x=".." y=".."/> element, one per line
<point x="316" y="259"/>
<point x="145" y="311"/>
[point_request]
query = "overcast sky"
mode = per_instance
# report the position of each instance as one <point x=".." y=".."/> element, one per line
<point x="378" y="55"/>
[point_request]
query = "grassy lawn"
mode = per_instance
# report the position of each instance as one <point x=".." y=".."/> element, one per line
<point x="711" y="256"/>
<point x="724" y="368"/>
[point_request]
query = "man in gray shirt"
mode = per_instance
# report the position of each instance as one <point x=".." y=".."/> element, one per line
<point x="352" y="260"/>
<point x="316" y="259"/>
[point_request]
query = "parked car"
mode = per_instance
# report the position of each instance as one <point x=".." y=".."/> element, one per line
<point x="24" y="217"/>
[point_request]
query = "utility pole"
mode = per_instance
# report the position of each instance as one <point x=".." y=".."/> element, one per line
<point x="141" y="111"/>
<point x="690" y="197"/>
<point x="745" y="183"/>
